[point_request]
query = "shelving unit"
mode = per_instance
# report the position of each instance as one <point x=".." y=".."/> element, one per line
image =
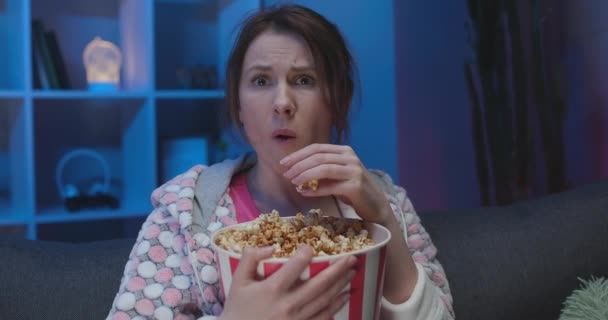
<point x="162" y="41"/>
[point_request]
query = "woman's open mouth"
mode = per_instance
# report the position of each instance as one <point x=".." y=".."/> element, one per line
<point x="284" y="135"/>
<point x="283" y="138"/>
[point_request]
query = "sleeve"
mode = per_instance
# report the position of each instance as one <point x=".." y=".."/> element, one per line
<point x="431" y="298"/>
<point x="158" y="280"/>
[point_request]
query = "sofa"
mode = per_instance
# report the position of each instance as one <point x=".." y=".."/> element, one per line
<point x="513" y="262"/>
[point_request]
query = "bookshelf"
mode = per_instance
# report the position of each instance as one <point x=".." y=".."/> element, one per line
<point x="171" y="88"/>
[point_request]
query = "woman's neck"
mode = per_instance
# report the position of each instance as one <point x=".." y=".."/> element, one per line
<point x="271" y="191"/>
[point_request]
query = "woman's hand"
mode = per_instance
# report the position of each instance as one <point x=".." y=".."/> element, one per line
<point x="283" y="295"/>
<point x="340" y="173"/>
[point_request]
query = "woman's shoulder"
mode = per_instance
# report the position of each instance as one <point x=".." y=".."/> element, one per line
<point x="200" y="177"/>
<point x="180" y="186"/>
<point x="385" y="181"/>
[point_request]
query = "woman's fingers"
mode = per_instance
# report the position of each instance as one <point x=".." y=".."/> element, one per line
<point x="333" y="308"/>
<point x="316" y="160"/>
<point x="289" y="274"/>
<point x="325" y="298"/>
<point x="325" y="172"/>
<point x="320" y="283"/>
<point x="316" y="293"/>
<point x="312" y="149"/>
<point x="246" y="270"/>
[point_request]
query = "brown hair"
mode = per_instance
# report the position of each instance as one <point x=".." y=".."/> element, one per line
<point x="332" y="58"/>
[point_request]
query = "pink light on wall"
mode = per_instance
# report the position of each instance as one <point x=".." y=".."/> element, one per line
<point x="588" y="37"/>
<point x="436" y="161"/>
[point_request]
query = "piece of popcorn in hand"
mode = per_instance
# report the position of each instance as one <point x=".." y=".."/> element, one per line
<point x="312" y="185"/>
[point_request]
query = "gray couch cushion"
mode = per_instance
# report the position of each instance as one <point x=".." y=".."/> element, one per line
<point x="522" y="261"/>
<point x="518" y="262"/>
<point x="52" y="280"/>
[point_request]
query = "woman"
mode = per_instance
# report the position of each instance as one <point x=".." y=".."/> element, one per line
<point x="289" y="90"/>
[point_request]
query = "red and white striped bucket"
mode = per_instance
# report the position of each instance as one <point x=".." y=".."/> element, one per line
<point x="365" y="287"/>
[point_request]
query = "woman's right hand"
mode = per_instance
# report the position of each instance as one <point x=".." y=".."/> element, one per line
<point x="283" y="295"/>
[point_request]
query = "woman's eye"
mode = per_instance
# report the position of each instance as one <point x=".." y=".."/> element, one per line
<point x="260" y="81"/>
<point x="305" y="81"/>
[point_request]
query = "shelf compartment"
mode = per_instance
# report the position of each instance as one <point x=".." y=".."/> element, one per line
<point x="186" y="48"/>
<point x="15" y="160"/>
<point x="93" y="230"/>
<point x="202" y="37"/>
<point x="178" y="145"/>
<point x="118" y="130"/>
<point x="12" y="45"/>
<point x="194" y="116"/>
<point x="126" y="23"/>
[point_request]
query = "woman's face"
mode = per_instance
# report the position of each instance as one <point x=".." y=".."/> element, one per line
<point x="282" y="107"/>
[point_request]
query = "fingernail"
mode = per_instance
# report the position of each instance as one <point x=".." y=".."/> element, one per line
<point x="351" y="260"/>
<point x="283" y="161"/>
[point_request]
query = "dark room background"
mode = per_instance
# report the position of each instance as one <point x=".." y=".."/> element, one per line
<point x="464" y="103"/>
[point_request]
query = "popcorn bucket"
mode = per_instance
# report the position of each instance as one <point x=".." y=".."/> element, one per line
<point x="365" y="287"/>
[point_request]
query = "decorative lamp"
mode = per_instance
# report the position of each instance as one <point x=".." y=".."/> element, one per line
<point x="102" y="61"/>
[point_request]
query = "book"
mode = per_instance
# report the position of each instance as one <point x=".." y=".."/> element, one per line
<point x="57" y="60"/>
<point x="39" y="77"/>
<point x="44" y="64"/>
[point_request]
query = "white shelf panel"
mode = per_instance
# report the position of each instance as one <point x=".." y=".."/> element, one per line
<point x="11" y="94"/>
<point x="9" y="218"/>
<point x="60" y="215"/>
<point x="83" y="94"/>
<point x="11" y="221"/>
<point x="190" y="94"/>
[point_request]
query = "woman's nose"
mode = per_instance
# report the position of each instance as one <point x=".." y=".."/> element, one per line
<point x="283" y="101"/>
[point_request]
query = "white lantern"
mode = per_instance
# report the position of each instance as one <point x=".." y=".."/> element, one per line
<point x="102" y="61"/>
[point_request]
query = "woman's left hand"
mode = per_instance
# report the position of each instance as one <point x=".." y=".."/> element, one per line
<point x="340" y="173"/>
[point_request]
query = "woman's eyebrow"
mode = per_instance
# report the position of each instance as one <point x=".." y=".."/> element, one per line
<point x="303" y="68"/>
<point x="266" y="68"/>
<point x="259" y="67"/>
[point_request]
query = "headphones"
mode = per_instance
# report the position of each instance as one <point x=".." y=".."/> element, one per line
<point x="98" y="194"/>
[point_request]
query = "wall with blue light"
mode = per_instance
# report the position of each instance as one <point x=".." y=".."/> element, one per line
<point x="413" y="120"/>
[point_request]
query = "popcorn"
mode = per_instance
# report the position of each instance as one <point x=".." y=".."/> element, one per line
<point x="312" y="185"/>
<point x="326" y="235"/>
